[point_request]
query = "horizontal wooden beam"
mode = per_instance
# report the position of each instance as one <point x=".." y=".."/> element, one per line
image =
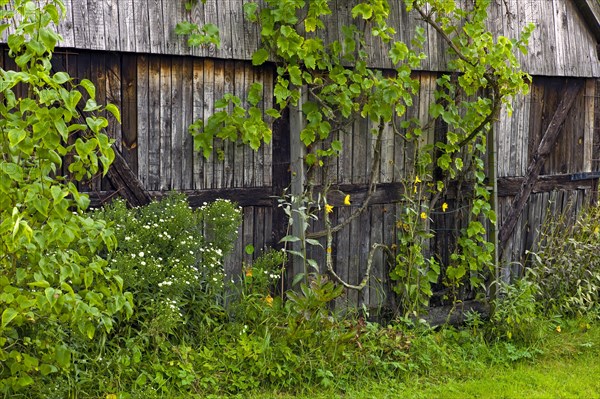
<point x="510" y="186"/>
<point x="386" y="193"/>
<point x="256" y="196"/>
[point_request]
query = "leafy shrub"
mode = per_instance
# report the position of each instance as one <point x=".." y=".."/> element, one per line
<point x="54" y="288"/>
<point x="171" y="259"/>
<point x="516" y="313"/>
<point x="566" y="265"/>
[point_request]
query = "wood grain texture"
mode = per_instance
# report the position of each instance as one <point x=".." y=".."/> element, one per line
<point x="563" y="44"/>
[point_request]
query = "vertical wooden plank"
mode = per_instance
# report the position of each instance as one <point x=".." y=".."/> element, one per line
<point x="385" y="293"/>
<point x="127" y="27"/>
<point x="236" y="32"/>
<point x="172" y="13"/>
<point x="267" y="78"/>
<point x="112" y="25"/>
<point x="141" y="107"/>
<point x="141" y="22"/>
<point x="187" y="110"/>
<point x="154" y="123"/>
<point x="97" y="39"/>
<point x="218" y="150"/>
<point x="250" y="157"/>
<point x="113" y="95"/>
<point x="166" y="115"/>
<point x="129" y="109"/>
<point x="363" y="237"/>
<point x="65" y="27"/>
<point x="251" y="37"/>
<point x="524" y="121"/>
<point x="229" y="148"/>
<point x="84" y="70"/>
<point x="198" y="114"/>
<point x="226" y="28"/>
<point x="239" y="89"/>
<point x="588" y="132"/>
<point x="536" y="96"/>
<point x="156" y="26"/>
<point x="561" y="33"/>
<point x="99" y="77"/>
<point x="233" y="262"/>
<point x="341" y="254"/>
<point x="209" y="103"/>
<point x="248" y="232"/>
<point x="176" y="122"/>
<point x="259" y="156"/>
<point x="81" y="25"/>
<point x="258" y="235"/>
<point x="575" y="134"/>
<point x="360" y="137"/>
<point x="211" y="17"/>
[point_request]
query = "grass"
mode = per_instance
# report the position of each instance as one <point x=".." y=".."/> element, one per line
<point x="567" y="367"/>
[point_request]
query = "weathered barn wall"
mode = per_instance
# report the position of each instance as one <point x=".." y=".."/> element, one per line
<point x="161" y="92"/>
<point x="568" y="178"/>
<point x="160" y="96"/>
<point x="561" y="45"/>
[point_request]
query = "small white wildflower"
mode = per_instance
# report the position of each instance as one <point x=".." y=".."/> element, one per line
<point x="141" y="254"/>
<point x="127" y="238"/>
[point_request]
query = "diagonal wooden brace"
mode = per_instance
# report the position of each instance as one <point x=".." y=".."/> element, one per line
<point x="537" y="161"/>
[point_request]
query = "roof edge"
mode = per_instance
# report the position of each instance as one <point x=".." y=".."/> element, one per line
<point x="590" y="10"/>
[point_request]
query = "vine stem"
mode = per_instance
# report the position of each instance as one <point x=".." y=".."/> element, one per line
<point x="370" y="192"/>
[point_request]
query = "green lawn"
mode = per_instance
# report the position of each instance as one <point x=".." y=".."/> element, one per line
<point x="568" y="368"/>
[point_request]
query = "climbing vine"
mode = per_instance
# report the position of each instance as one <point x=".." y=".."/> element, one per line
<point x="483" y="75"/>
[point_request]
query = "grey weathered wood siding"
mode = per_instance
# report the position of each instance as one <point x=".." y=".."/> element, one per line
<point x="577" y="151"/>
<point x="160" y="96"/>
<point x="562" y="44"/>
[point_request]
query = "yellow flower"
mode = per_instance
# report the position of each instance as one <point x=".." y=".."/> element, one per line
<point x="444" y="207"/>
<point x="249" y="272"/>
<point x="417" y="180"/>
<point x="329" y="250"/>
<point x="269" y="300"/>
<point x="347" y="199"/>
<point x="328" y="208"/>
<point x="558" y="329"/>
<point x="423" y="215"/>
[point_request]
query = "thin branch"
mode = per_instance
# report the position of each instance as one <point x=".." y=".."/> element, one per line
<point x="370" y="192"/>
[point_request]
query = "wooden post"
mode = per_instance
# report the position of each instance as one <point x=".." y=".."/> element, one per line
<point x="297" y="153"/>
<point x="537" y="161"/>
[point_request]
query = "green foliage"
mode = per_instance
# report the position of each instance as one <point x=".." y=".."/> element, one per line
<point x="413" y="273"/>
<point x="53" y="284"/>
<point x="483" y="74"/>
<point x="171" y="258"/>
<point x="516" y="314"/>
<point x="566" y="266"/>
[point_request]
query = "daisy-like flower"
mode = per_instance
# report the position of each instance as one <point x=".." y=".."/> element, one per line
<point x="423" y="215"/>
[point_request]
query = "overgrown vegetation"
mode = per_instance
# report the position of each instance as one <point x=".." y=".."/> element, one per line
<point x="333" y="85"/>
<point x="136" y="303"/>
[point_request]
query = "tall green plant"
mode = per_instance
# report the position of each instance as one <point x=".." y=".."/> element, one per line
<point x="483" y="75"/>
<point x="52" y="282"/>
